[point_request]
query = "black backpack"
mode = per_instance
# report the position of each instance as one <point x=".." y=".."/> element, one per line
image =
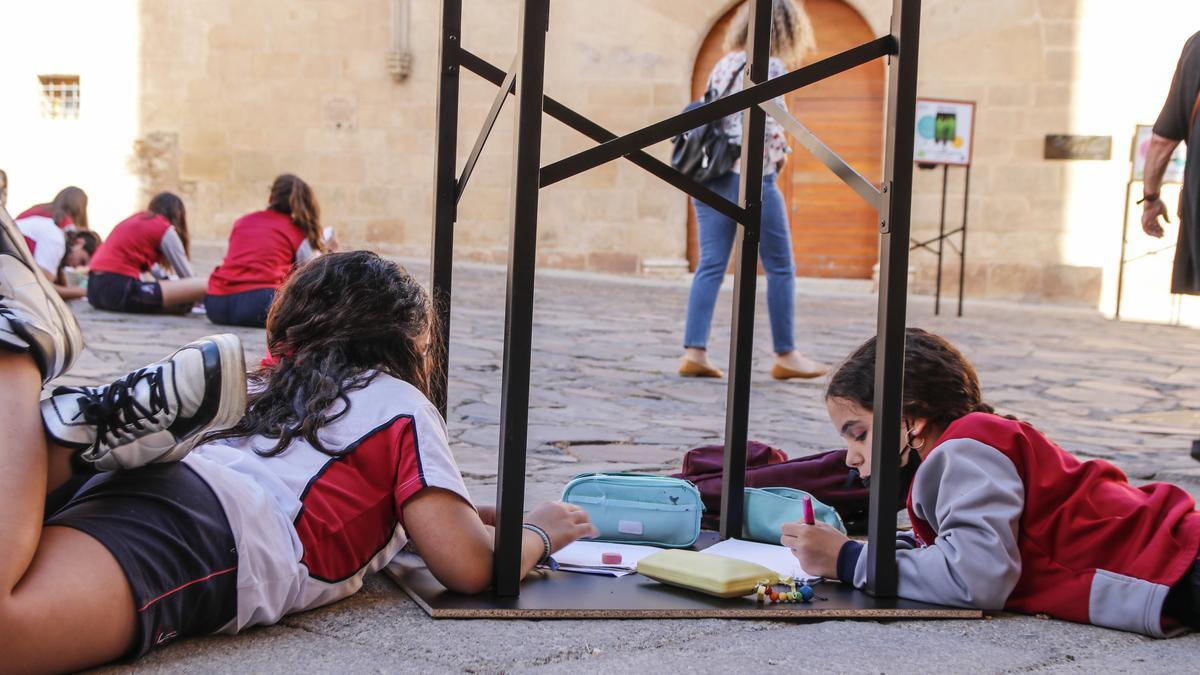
<point x="706" y="152"/>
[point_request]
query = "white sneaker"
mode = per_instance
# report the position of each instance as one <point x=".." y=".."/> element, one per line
<point x="33" y="318"/>
<point x="154" y="414"/>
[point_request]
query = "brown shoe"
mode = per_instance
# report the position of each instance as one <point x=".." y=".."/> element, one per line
<point x="690" y="368"/>
<point x="784" y="373"/>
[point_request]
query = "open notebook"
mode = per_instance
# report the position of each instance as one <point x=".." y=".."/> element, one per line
<point x="771" y="556"/>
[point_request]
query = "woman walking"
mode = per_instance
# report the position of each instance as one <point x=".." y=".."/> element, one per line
<point x="791" y="39"/>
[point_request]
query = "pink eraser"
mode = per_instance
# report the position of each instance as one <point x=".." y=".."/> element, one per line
<point x="610" y="558"/>
<point x="809" y="518"/>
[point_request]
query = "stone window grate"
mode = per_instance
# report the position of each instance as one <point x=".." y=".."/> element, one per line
<point x="60" y="97"/>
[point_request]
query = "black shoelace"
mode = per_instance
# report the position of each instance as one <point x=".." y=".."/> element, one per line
<point x="115" y="409"/>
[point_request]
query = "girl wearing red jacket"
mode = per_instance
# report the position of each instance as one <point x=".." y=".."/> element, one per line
<point x="264" y="246"/>
<point x="145" y="243"/>
<point x="1002" y="517"/>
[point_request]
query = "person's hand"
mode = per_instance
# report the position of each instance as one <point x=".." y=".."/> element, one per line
<point x="487" y="514"/>
<point x="1151" y="210"/>
<point x="815" y="546"/>
<point x="565" y="523"/>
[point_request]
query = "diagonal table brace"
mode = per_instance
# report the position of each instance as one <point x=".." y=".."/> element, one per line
<point x="715" y="110"/>
<point x="507" y="86"/>
<point x="840" y="167"/>
<point x="599" y="134"/>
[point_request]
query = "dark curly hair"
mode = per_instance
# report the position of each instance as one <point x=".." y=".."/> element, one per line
<point x="339" y="320"/>
<point x="940" y="384"/>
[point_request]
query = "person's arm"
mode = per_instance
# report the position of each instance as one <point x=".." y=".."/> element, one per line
<point x="304" y="253"/>
<point x="457" y="547"/>
<point x="1158" y="156"/>
<point x="171" y="247"/>
<point x="448" y="532"/>
<point x="973" y="496"/>
<point x="70" y="292"/>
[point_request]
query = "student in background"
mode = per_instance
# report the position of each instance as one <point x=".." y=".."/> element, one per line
<point x="157" y="236"/>
<point x="55" y="250"/>
<point x="68" y="210"/>
<point x="264" y="246"/>
<point x="1002" y="517"/>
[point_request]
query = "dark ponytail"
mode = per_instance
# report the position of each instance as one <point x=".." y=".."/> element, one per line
<point x="293" y="197"/>
<point x="170" y="206"/>
<point x="940" y="384"/>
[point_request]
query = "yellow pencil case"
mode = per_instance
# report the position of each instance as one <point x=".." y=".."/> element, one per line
<point x="711" y="574"/>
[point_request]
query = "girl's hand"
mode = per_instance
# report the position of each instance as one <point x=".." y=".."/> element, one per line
<point x="816" y="546"/>
<point x="565" y="523"/>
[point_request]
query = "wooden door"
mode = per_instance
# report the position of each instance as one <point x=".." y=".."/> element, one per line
<point x="833" y="231"/>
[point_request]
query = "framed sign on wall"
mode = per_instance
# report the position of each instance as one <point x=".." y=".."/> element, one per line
<point x="945" y="130"/>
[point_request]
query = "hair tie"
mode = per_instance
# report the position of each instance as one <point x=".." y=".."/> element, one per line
<point x="277" y="354"/>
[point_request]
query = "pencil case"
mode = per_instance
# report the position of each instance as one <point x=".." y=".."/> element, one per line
<point x="630" y="508"/>
<point x="710" y="574"/>
<point x="767" y="509"/>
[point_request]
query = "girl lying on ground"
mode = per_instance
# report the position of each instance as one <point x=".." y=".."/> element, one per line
<point x="68" y="210"/>
<point x="54" y="250"/>
<point x="264" y="246"/>
<point x="338" y="462"/>
<point x="143" y="244"/>
<point x="1002" y="517"/>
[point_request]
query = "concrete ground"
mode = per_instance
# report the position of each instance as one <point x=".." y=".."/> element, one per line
<point x="606" y="397"/>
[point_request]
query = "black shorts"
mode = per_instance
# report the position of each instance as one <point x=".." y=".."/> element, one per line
<point x="119" y="293"/>
<point x="168" y="532"/>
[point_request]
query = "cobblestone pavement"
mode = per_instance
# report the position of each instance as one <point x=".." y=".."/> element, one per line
<point x="605" y="397"/>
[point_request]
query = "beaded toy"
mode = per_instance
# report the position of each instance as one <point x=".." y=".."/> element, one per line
<point x="765" y="591"/>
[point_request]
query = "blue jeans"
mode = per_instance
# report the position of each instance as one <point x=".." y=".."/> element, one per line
<point x="715" y="233"/>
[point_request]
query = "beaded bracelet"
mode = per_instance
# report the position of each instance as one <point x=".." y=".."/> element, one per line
<point x="545" y="541"/>
<point x="766" y="591"/>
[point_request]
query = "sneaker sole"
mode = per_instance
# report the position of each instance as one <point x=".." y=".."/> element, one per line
<point x="67" y="323"/>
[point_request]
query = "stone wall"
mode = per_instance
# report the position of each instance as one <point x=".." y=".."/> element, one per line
<point x="231" y="93"/>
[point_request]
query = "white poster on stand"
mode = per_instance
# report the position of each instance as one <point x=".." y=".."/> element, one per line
<point x="1141" y="145"/>
<point x="945" y="129"/>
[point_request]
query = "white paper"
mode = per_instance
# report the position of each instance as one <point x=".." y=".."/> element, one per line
<point x="771" y="556"/>
<point x="585" y="557"/>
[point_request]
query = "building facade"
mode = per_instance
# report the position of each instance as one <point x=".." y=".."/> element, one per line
<point x="213" y="98"/>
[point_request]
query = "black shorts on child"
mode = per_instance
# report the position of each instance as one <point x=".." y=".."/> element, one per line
<point x="119" y="293"/>
<point x="169" y="534"/>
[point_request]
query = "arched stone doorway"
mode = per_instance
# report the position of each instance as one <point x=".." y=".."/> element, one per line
<point x="833" y="231"/>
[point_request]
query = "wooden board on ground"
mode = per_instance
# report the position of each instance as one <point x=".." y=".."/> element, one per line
<point x="566" y="595"/>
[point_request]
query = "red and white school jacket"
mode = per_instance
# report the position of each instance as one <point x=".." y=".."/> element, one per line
<point x="137" y="243"/>
<point x="310" y="526"/>
<point x="66" y="224"/>
<point x="1004" y="518"/>
<point x="45" y="240"/>
<point x="263" y="248"/>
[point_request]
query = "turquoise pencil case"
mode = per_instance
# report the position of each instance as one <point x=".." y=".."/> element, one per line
<point x="767" y="509"/>
<point x="630" y="508"/>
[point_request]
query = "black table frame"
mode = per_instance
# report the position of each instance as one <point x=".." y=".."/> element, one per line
<point x="892" y="200"/>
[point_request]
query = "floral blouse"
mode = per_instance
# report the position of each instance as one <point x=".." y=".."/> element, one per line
<point x="776" y="147"/>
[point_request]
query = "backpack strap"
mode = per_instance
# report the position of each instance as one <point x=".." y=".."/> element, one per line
<point x="734" y="76"/>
